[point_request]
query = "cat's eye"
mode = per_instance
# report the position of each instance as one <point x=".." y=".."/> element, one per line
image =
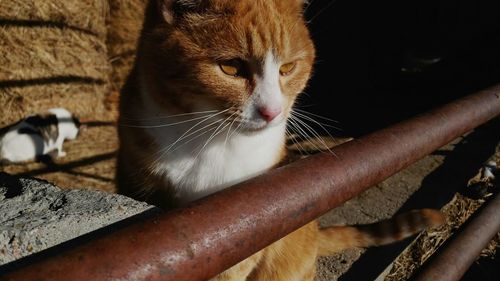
<point x="231" y="67"/>
<point x="287" y="68"/>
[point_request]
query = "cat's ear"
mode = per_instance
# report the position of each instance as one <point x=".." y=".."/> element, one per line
<point x="172" y="9"/>
<point x="166" y="7"/>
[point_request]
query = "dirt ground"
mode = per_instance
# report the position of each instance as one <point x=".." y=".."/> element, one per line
<point x="432" y="182"/>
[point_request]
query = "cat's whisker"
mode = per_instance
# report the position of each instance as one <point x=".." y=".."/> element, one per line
<point x="194" y="138"/>
<point x="309" y="3"/>
<point x="303" y="106"/>
<point x="162" y="125"/>
<point x="299" y="139"/>
<point x="304" y="94"/>
<point x="316" y="135"/>
<point x="188" y="134"/>
<point x="294" y="140"/>
<point x="179" y="145"/>
<point x="313" y="135"/>
<point x="214" y="134"/>
<point x="321" y="124"/>
<point x="311" y="129"/>
<point x="170" y="116"/>
<point x="316" y="115"/>
<point x="185" y="136"/>
<point x="229" y="130"/>
<point x="237" y="129"/>
<point x="321" y="11"/>
<point x="297" y="129"/>
<point x="295" y="123"/>
<point x="305" y="125"/>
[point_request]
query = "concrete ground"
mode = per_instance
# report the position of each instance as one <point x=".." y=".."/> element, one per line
<point x="36" y="215"/>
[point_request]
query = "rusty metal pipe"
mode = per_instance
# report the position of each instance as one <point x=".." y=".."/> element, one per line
<point x="451" y="263"/>
<point x="205" y="238"/>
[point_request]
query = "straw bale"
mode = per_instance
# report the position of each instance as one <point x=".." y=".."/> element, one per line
<point x="87" y="15"/>
<point x="53" y="54"/>
<point x="34" y="52"/>
<point x="124" y="27"/>
<point x="44" y="67"/>
<point x="83" y="99"/>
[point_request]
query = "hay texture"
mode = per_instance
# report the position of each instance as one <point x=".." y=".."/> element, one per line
<point x="428" y="242"/>
<point x="87" y="15"/>
<point x="53" y="54"/>
<point x="124" y="26"/>
<point x="458" y="211"/>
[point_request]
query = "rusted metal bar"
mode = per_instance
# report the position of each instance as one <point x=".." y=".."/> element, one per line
<point x="205" y="238"/>
<point x="451" y="263"/>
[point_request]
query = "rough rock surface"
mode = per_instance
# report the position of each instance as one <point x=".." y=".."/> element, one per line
<point x="36" y="215"/>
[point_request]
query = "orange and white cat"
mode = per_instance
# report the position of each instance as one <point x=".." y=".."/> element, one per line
<point x="206" y="106"/>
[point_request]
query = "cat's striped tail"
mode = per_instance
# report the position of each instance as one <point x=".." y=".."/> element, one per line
<point x="337" y="238"/>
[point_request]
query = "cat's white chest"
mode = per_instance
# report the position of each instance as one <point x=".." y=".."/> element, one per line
<point x="222" y="163"/>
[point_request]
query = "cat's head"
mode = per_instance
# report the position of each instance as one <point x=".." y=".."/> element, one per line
<point x="67" y="123"/>
<point x="252" y="57"/>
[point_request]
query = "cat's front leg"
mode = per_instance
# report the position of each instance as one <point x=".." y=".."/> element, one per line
<point x="59" y="147"/>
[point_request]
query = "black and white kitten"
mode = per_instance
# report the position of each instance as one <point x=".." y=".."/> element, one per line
<point x="38" y="135"/>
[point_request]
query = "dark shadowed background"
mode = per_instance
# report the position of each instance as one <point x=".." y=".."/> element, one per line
<point x="380" y="62"/>
<point x="384" y="61"/>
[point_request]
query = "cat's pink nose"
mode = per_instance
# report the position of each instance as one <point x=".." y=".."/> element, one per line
<point x="269" y="113"/>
